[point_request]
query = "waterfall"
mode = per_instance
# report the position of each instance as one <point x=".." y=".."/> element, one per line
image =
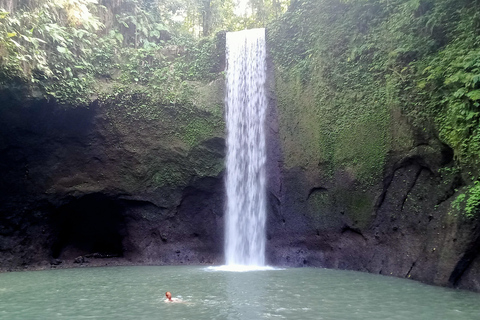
<point x="245" y="180"/>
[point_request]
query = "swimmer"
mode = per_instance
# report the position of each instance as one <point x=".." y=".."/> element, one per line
<point x="170" y="299"/>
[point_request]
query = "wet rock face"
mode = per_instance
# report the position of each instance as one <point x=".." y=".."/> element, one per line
<point x="402" y="225"/>
<point x="76" y="182"/>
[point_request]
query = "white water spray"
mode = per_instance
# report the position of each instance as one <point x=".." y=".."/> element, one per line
<point x="245" y="181"/>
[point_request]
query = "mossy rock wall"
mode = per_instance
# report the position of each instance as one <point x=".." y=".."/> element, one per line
<point x="367" y="184"/>
<point x="148" y="175"/>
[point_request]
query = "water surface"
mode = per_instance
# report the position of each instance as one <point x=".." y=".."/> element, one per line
<point x="305" y="293"/>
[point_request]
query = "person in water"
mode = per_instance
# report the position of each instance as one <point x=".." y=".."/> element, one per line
<point x="170" y="299"/>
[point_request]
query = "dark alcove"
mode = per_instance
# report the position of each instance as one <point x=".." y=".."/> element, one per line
<point x="92" y="224"/>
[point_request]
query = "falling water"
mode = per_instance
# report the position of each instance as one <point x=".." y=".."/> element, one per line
<point x="246" y="156"/>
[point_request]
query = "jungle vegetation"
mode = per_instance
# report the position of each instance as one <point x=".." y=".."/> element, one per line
<point x="67" y="49"/>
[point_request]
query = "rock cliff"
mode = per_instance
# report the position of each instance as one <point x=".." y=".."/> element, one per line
<point x="365" y="178"/>
<point x="105" y="181"/>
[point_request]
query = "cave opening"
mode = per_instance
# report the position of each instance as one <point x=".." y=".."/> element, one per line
<point x="90" y="225"/>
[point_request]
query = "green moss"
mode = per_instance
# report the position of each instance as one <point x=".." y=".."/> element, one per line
<point x="320" y="207"/>
<point x="330" y="209"/>
<point x="200" y="126"/>
<point x="197" y="130"/>
<point x="362" y="146"/>
<point x="359" y="206"/>
<point x="300" y="124"/>
<point x="206" y="163"/>
<point x="336" y="129"/>
<point x="173" y="134"/>
<point x="169" y="175"/>
<point x="335" y="110"/>
<point x="136" y="105"/>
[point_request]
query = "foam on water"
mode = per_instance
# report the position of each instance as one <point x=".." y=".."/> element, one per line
<point x="241" y="268"/>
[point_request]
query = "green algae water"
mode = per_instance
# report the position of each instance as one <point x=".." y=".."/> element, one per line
<point x="304" y="293"/>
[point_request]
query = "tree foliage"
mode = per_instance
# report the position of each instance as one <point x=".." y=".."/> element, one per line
<point x="63" y="49"/>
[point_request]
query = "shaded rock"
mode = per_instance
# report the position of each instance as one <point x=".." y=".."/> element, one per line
<point x="99" y="179"/>
<point x="55" y="262"/>
<point x="80" y="259"/>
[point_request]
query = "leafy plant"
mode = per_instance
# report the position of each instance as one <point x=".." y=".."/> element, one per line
<point x="60" y="49"/>
<point x="469" y="202"/>
<point x="50" y="46"/>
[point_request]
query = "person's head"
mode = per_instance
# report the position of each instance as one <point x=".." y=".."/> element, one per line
<point x="168" y="295"/>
